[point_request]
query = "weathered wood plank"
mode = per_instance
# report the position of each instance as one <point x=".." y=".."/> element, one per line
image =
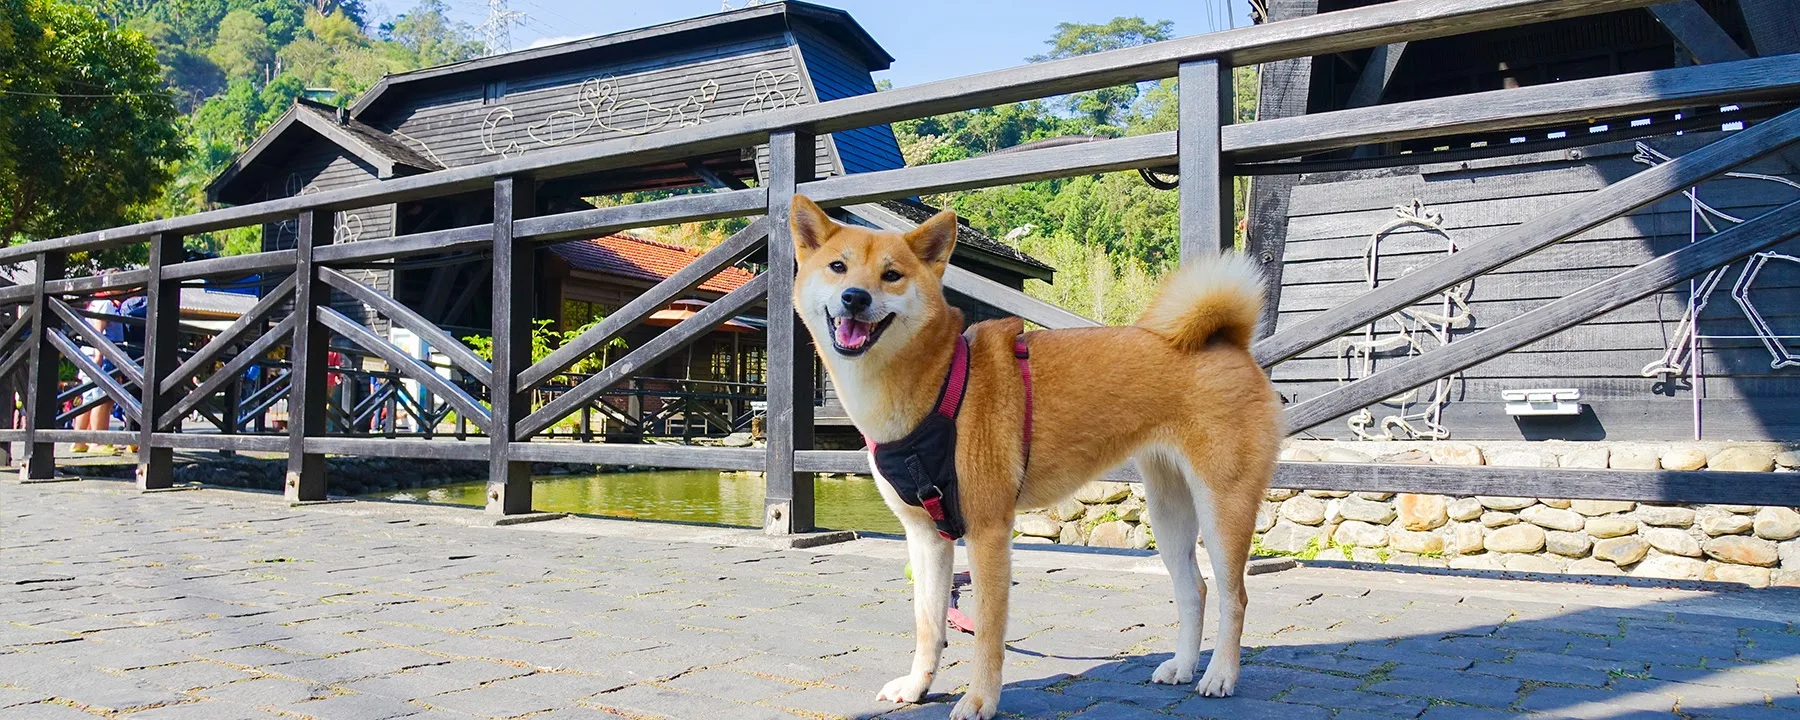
<point x="206" y="441"/>
<point x="400" y="448"/>
<point x="788" y="496"/>
<point x="308" y="355"/>
<point x="1576" y="217"/>
<point x="995" y="169"/>
<point x="459" y="354"/>
<point x="644" y="455"/>
<point x="1696" y="32"/>
<point x="254" y="317"/>
<point x="1206" y="191"/>
<point x="234" y="266"/>
<point x="162" y="340"/>
<point x="462" y="239"/>
<point x="401" y="363"/>
<point x="1575" y="100"/>
<point x="171" y="417"/>
<point x="740" y="245"/>
<point x="645" y="355"/>
<point x="678" y="209"/>
<point x="94" y="339"/>
<point x="1624" y="288"/>
<point x="113" y="389"/>
<point x="514" y="298"/>
<point x="1665" y="486"/>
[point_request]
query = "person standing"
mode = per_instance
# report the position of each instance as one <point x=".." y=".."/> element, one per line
<point x="99" y="417"/>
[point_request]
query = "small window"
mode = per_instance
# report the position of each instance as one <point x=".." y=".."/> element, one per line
<point x="493" y="93"/>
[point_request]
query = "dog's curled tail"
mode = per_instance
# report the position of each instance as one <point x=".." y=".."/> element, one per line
<point x="1211" y="298"/>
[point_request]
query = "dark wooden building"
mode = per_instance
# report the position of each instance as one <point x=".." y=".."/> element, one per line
<point x="1359" y="218"/>
<point x="542" y="100"/>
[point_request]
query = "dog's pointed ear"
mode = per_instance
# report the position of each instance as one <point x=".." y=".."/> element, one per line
<point x="810" y="225"/>
<point x="934" y="239"/>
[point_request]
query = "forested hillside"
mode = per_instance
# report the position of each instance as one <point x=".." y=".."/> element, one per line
<point x="232" y="67"/>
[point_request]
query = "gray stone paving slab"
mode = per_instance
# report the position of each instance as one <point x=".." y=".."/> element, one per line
<point x="217" y="604"/>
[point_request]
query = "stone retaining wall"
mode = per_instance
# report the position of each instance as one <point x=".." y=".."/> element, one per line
<point x="1756" y="546"/>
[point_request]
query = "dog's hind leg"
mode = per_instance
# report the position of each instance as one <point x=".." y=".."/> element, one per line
<point x="1171" y="508"/>
<point x="1228" y="498"/>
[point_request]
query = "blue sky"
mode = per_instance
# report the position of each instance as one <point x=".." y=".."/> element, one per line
<point x="929" y="39"/>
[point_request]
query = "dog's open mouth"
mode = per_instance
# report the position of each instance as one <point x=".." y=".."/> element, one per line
<point x="852" y="337"/>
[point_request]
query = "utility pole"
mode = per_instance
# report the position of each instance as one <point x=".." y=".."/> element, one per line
<point x="497" y="29"/>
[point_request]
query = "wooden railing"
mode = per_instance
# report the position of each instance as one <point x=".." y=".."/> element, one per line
<point x="508" y="433"/>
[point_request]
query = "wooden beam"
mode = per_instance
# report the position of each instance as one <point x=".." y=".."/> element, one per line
<point x="1774" y="26"/>
<point x="401" y="448"/>
<point x="203" y="441"/>
<point x="162" y="346"/>
<point x="41" y="383"/>
<point x="1665" y="486"/>
<point x="171" y="415"/>
<point x="740" y="245"/>
<point x="113" y="389"/>
<point x="1696" y="32"/>
<point x="1383" y="60"/>
<point x="1206" y="191"/>
<point x="254" y="317"/>
<point x="1572" y="219"/>
<point x="514" y="308"/>
<point x="667" y="456"/>
<point x="1501" y="110"/>
<point x="306" y="394"/>
<point x="436" y="242"/>
<point x="607" y="220"/>
<point x="97" y="340"/>
<point x="406" y="365"/>
<point x="1727" y="246"/>
<point x="233" y="266"/>
<point x="788" y="498"/>
<point x="1283" y="88"/>
<point x="642" y="357"/>
<point x="1323" y="34"/>
<point x="459" y="354"/>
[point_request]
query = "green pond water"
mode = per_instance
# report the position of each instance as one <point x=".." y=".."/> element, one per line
<point x="689" y="496"/>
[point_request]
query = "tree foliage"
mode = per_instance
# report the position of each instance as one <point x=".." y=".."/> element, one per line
<point x="1109" y="236"/>
<point x="233" y="67"/>
<point x="86" y="128"/>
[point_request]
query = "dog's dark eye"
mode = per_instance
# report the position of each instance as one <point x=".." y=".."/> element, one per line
<point x="890" y="276"/>
<point x="837" y="266"/>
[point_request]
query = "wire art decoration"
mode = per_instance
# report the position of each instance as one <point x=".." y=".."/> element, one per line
<point x="1677" y="356"/>
<point x="348" y="226"/>
<point x="596" y="106"/>
<point x="769" y="92"/>
<point x="1412" y="329"/>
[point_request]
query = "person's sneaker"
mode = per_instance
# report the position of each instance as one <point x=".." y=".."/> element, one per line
<point x="79" y="447"/>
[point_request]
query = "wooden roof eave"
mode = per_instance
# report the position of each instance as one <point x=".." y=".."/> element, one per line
<point x="385" y="166"/>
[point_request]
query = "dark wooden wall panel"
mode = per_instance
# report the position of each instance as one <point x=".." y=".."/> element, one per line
<point x="1332" y="216"/>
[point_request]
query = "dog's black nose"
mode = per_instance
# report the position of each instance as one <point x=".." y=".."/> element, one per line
<point x="857" y="300"/>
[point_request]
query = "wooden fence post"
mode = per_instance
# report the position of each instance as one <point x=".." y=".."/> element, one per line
<point x="515" y="303"/>
<point x="788" y="498"/>
<point x="41" y="384"/>
<point x="1207" y="225"/>
<point x="162" y="340"/>
<point x="308" y="354"/>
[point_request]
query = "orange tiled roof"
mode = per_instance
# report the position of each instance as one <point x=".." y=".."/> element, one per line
<point x="635" y="257"/>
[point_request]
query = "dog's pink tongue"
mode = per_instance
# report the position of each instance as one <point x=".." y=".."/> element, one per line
<point x="852" y="333"/>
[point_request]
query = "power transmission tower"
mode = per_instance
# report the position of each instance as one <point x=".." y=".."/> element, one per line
<point x="496" y="31"/>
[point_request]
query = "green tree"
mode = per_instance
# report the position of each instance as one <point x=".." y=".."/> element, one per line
<point x="243" y="50"/>
<point x="1106" y="106"/>
<point x="91" y="132"/>
<point x="431" y="36"/>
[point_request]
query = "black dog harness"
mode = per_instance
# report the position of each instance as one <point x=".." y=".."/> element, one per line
<point x="921" y="467"/>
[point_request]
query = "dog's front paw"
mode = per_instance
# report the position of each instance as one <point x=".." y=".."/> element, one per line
<point x="905" y="689"/>
<point x="1219" y="680"/>
<point x="1173" y="671"/>
<point x="975" y="705"/>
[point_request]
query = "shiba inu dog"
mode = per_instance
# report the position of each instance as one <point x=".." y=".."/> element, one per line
<point x="1179" y="392"/>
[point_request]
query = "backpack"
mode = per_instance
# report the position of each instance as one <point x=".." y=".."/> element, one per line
<point x="136" y="307"/>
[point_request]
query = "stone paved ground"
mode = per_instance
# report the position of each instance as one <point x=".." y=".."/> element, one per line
<point x="222" y="604"/>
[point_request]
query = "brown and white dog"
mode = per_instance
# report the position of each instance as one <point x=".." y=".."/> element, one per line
<point x="1178" y="392"/>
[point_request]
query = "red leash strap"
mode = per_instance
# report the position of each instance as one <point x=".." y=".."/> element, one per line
<point x="1022" y="353"/>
